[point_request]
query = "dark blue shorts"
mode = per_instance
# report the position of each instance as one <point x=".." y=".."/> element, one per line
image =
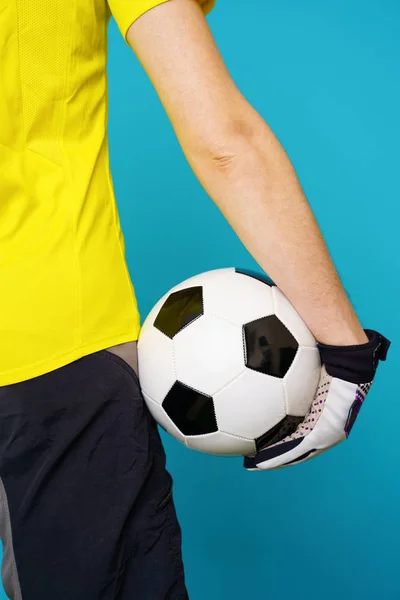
<point x="86" y="509"/>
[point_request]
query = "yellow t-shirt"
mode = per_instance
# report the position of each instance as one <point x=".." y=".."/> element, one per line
<point x="65" y="291"/>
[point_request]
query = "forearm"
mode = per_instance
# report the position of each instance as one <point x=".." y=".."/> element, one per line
<point x="256" y="188"/>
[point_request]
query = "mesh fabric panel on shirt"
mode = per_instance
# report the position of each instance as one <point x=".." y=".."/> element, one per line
<point x="43" y="24"/>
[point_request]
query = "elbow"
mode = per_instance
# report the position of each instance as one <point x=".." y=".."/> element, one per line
<point x="225" y="154"/>
<point x="241" y="140"/>
<point x="223" y="160"/>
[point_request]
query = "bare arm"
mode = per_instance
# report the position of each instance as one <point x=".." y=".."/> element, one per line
<point x="242" y="166"/>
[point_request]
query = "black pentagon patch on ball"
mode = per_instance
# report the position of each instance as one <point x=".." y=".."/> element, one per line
<point x="286" y="427"/>
<point x="191" y="411"/>
<point x="270" y="348"/>
<point x="179" y="310"/>
<point x="256" y="275"/>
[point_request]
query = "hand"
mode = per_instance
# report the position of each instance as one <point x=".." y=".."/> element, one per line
<point x="346" y="377"/>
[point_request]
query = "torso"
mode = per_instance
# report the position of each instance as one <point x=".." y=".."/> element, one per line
<point x="66" y="290"/>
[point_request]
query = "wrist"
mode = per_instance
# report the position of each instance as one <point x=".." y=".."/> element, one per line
<point x="344" y="337"/>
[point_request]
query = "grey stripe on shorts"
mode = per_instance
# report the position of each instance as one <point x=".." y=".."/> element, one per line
<point x="9" y="568"/>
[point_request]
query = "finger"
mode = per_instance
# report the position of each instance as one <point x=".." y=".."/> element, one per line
<point x="326" y="433"/>
<point x="275" y="456"/>
<point x="280" y="454"/>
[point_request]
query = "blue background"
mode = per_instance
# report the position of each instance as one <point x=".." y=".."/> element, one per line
<point x="326" y="77"/>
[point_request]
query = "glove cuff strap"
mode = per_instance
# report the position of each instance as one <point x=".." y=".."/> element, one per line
<point x="356" y="364"/>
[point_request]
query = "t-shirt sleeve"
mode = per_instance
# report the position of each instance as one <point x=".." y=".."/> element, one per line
<point x="125" y="12"/>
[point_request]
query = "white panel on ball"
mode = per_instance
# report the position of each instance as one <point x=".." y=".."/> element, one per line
<point x="163" y="419"/>
<point x="208" y="354"/>
<point x="251" y="405"/>
<point x="285" y="311"/>
<point x="238" y="298"/>
<point x="156" y="364"/>
<point x="221" y="443"/>
<point x="301" y="381"/>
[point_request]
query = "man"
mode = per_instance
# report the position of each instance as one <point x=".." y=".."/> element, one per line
<point x="86" y="509"/>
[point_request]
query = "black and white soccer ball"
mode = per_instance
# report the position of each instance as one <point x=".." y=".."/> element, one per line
<point x="226" y="364"/>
